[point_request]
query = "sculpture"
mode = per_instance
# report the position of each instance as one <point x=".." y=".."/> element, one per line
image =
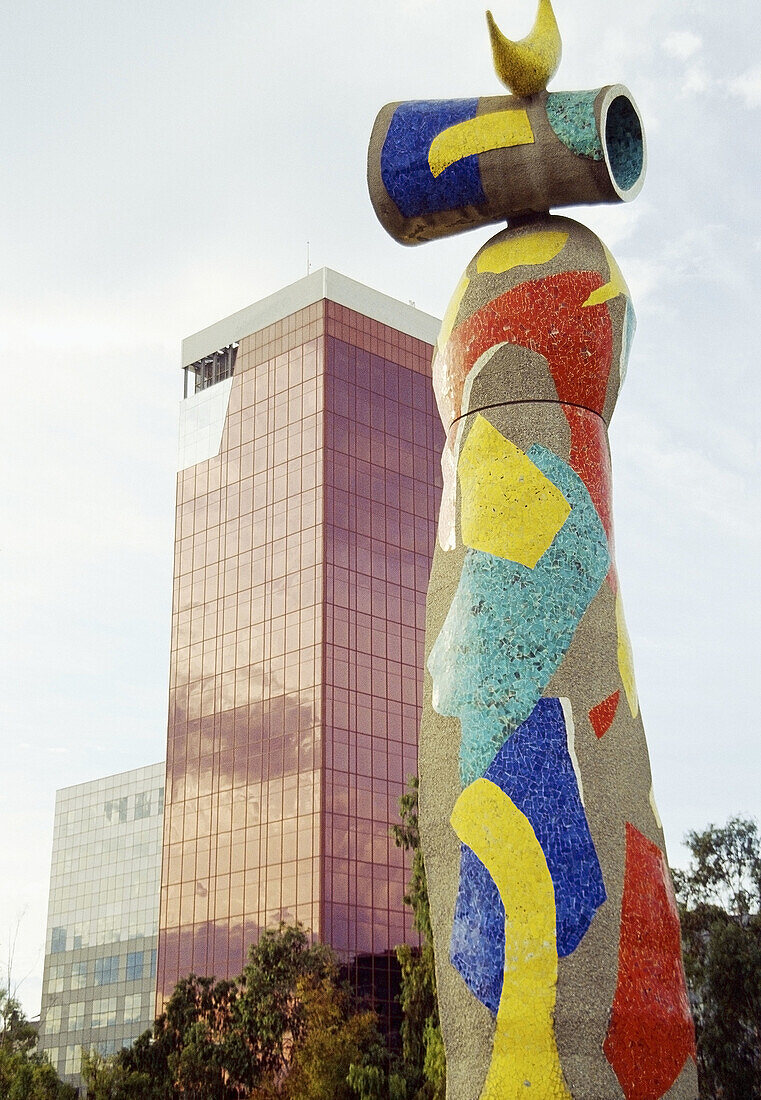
<point x="556" y="934"/>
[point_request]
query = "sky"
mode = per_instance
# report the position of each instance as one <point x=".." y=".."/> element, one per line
<point x="163" y="165"/>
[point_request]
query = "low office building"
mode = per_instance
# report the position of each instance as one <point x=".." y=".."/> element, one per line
<point x="99" y="981"/>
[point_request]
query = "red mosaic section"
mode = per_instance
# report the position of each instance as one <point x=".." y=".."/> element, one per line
<point x="590" y="458"/>
<point x="651" y="1033"/>
<point x="603" y="714"/>
<point x="547" y="316"/>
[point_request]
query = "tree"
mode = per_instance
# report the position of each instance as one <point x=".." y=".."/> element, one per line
<point x="720" y="906"/>
<point x="17" y="1035"/>
<point x="25" y="1074"/>
<point x="422" y="1045"/>
<point x="725" y="869"/>
<point x="284" y="1028"/>
<point x="270" y="1015"/>
<point x="107" y="1079"/>
<point x="187" y="1054"/>
<point x="334" y="1039"/>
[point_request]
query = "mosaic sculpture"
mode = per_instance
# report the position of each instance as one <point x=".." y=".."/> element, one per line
<point x="555" y="929"/>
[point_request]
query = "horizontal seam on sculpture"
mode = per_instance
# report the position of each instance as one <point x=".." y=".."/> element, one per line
<point x="529" y="401"/>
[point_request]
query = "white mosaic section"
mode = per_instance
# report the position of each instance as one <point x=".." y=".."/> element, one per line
<point x="202" y="421"/>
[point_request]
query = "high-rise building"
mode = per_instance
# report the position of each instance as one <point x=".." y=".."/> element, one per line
<point x="99" y="978"/>
<point x="307" y="496"/>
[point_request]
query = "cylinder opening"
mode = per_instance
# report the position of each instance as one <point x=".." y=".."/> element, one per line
<point x="624" y="144"/>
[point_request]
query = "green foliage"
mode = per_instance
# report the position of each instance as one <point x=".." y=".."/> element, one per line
<point x="106" y="1079"/>
<point x="284" y="1029"/>
<point x="422" y="1046"/>
<point x="270" y="1018"/>
<point x="725" y="869"/>
<point x="720" y="906"/>
<point x="25" y="1074"/>
<point x="435" y="1064"/>
<point x="31" y="1077"/>
<point x="186" y="1054"/>
<point x="334" y="1040"/>
<point x="16" y="1033"/>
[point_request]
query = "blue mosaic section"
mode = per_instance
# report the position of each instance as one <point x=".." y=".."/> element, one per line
<point x="405" y="171"/>
<point x="477" y="946"/>
<point x="572" y="116"/>
<point x="534" y="769"/>
<point x="509" y="626"/>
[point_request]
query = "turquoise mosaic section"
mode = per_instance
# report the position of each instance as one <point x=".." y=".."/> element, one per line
<point x="623" y="140"/>
<point x="630" y="324"/>
<point x="572" y="116"/>
<point x="509" y="626"/>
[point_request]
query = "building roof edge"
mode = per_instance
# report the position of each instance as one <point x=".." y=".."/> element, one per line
<point x="323" y="283"/>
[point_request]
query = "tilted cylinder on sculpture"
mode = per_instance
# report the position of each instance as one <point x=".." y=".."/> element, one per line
<point x="556" y="935"/>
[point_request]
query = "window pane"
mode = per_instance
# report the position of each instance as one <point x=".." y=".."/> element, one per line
<point x="107" y="970"/>
<point x="134" y="965"/>
<point x="104" y="1012"/>
<point x="142" y="805"/>
<point x="78" y="975"/>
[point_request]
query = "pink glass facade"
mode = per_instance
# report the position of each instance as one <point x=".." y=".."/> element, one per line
<point x="302" y="555"/>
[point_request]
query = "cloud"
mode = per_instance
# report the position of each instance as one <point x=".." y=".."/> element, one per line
<point x="684" y="46"/>
<point x="747" y="87"/>
<point x="696" y="80"/>
<point x="681" y="44"/>
<point x="699" y="484"/>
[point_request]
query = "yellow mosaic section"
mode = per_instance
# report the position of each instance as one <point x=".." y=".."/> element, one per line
<point x="525" y="1060"/>
<point x="450" y="316"/>
<point x="625" y="659"/>
<point x="509" y="508"/>
<point x="533" y="248"/>
<point x="615" y="285"/>
<point x="497" y="130"/>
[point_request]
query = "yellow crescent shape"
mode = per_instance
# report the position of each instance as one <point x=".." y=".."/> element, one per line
<point x="496" y="130"/>
<point x="525" y="67"/>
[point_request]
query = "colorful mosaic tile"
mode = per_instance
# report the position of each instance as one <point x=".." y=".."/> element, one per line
<point x="509" y="508"/>
<point x="477" y="946"/>
<point x="623" y="140"/>
<point x="590" y="458"/>
<point x="405" y="170"/>
<point x="630" y="325"/>
<point x="509" y="626"/>
<point x="530" y="249"/>
<point x="527" y="66"/>
<point x="572" y="116"/>
<point x="615" y="286"/>
<point x="531" y="538"/>
<point x="625" y="659"/>
<point x="547" y="316"/>
<point x="494" y="130"/>
<point x="534" y="768"/>
<point x="651" y="1034"/>
<point x="525" y="1055"/>
<point x="602" y="715"/>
